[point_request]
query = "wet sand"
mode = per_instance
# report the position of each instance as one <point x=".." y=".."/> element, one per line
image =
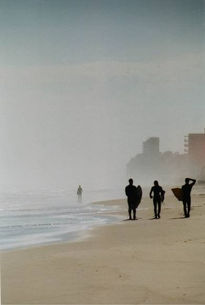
<point x="145" y="261"/>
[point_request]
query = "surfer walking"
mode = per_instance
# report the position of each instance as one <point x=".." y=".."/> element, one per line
<point x="186" y="190"/>
<point x="79" y="193"/>
<point x="134" y="195"/>
<point x="157" y="194"/>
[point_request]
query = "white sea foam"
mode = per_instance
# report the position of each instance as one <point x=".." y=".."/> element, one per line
<point x="34" y="219"/>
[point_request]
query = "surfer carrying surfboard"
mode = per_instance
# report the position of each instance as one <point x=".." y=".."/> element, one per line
<point x="134" y="196"/>
<point x="186" y="190"/>
<point x="157" y="198"/>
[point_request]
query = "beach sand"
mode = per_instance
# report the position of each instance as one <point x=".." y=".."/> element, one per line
<point x="134" y="262"/>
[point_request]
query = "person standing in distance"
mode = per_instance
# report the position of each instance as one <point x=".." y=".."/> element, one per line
<point x="186" y="190"/>
<point x="157" y="198"/>
<point x="79" y="193"/>
<point x="131" y="193"/>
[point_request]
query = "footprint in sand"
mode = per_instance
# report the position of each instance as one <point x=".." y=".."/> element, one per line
<point x="188" y="240"/>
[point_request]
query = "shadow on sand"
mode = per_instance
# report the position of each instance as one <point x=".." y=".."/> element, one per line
<point x="182" y="217"/>
<point x="127" y="219"/>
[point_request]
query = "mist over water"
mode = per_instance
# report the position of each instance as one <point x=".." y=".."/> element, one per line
<point x="44" y="217"/>
<point x="82" y="86"/>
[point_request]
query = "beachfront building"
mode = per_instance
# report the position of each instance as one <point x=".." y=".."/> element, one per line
<point x="152" y="164"/>
<point x="151" y="147"/>
<point x="195" y="148"/>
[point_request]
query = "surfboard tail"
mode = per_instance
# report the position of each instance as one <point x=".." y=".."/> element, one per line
<point x="178" y="193"/>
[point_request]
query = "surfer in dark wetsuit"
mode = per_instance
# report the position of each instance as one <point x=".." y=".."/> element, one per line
<point x="186" y="189"/>
<point x="79" y="193"/>
<point x="157" y="198"/>
<point x="132" y="199"/>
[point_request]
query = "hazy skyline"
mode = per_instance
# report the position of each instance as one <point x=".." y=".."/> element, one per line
<point x="84" y="83"/>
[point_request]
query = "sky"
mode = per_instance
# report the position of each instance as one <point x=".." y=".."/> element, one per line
<point x="85" y="82"/>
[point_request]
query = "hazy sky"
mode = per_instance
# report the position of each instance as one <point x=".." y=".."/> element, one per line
<point x="84" y="82"/>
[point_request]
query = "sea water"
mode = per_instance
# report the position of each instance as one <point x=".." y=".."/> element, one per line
<point x="35" y="218"/>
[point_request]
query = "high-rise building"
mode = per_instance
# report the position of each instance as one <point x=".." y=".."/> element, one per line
<point x="151" y="146"/>
<point x="151" y="164"/>
<point x="196" y="149"/>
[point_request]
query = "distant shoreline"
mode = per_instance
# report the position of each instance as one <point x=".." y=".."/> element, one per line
<point x="117" y="214"/>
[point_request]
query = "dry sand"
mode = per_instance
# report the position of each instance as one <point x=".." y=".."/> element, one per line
<point x="133" y="262"/>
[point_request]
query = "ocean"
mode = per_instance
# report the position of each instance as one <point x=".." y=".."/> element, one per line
<point x="36" y="218"/>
